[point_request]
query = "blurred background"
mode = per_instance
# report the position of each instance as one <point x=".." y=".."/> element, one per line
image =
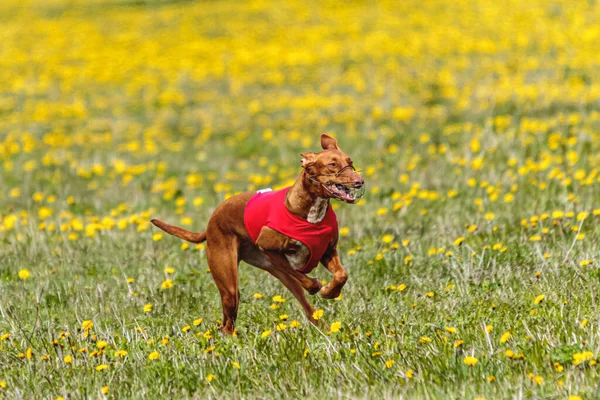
<point x="476" y="124"/>
<point x="113" y="107"/>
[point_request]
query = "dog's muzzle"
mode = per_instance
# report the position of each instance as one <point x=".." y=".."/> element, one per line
<point x="348" y="192"/>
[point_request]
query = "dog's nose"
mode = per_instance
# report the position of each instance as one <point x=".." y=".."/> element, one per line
<point x="358" y="183"/>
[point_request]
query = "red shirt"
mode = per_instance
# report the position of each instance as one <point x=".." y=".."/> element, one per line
<point x="268" y="209"/>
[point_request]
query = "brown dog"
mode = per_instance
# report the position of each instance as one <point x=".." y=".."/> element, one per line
<point x="325" y="175"/>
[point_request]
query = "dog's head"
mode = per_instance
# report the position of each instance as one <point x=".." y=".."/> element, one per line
<point x="332" y="169"/>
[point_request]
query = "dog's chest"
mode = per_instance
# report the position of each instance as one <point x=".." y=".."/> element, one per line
<point x="299" y="259"/>
<point x="316" y="214"/>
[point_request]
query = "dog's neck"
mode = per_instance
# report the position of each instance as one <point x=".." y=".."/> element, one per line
<point x="304" y="200"/>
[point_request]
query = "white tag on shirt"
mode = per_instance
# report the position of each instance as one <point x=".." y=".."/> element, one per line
<point x="264" y="190"/>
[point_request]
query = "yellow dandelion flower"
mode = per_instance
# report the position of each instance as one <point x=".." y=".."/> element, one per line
<point x="470" y="361"/>
<point x="210" y="377"/>
<point x="505" y="337"/>
<point x="265" y="334"/>
<point x="539" y="299"/>
<point x="147" y="308"/>
<point x="24" y="274"/>
<point x="187" y="221"/>
<point x="121" y="353"/>
<point x="101" y="344"/>
<point x="154" y="355"/>
<point x="387" y="238"/>
<point x="44" y="212"/>
<point x="318" y="314"/>
<point x="101" y="367"/>
<point x="335" y="327"/>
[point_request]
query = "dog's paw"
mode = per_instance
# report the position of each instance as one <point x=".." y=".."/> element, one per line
<point x="315" y="287"/>
<point x="330" y="292"/>
<point x="228" y="330"/>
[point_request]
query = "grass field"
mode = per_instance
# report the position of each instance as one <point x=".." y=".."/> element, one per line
<point x="473" y="258"/>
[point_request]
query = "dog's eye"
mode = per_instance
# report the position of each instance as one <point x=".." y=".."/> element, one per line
<point x="332" y="164"/>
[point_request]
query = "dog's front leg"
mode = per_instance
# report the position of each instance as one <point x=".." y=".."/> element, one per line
<point x="275" y="245"/>
<point x="332" y="262"/>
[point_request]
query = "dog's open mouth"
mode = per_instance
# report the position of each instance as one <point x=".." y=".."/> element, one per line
<point x="345" y="193"/>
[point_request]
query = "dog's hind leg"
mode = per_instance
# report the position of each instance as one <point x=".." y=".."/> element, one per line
<point x="223" y="264"/>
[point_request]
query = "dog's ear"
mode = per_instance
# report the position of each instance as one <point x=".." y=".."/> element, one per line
<point x="329" y="143"/>
<point x="308" y="159"/>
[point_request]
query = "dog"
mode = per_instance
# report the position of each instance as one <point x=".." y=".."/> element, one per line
<point x="286" y="232"/>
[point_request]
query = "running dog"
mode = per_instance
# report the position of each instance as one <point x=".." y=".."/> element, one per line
<point x="285" y="232"/>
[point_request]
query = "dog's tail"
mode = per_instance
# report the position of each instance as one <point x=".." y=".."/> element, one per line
<point x="192" y="237"/>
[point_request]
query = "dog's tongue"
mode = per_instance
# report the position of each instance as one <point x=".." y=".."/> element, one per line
<point x="348" y="196"/>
